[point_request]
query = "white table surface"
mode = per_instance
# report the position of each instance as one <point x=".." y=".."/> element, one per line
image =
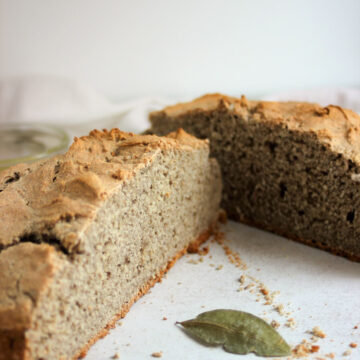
<point x="316" y="288"/>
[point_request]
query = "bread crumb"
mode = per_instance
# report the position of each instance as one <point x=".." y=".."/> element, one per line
<point x="318" y="332"/>
<point x="353" y="345"/>
<point x="330" y="355"/>
<point x="157" y="354"/>
<point x="192" y="261"/>
<point x="219" y="267"/>
<point x="264" y="291"/>
<point x="116" y="356"/>
<point x="164" y="318"/>
<point x="291" y="323"/>
<point x="304" y="349"/>
<point x="347" y="352"/>
<point x="280" y="309"/>
<point x="232" y="256"/>
<point x="204" y="250"/>
<point x="249" y="286"/>
<point x="274" y="324"/>
<point x="315" y="348"/>
<point x="242" y="279"/>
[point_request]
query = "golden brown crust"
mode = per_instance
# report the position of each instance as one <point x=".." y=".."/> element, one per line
<point x="59" y="197"/>
<point x="124" y="310"/>
<point x="338" y="127"/>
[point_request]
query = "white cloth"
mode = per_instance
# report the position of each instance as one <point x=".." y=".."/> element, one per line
<point x="71" y="105"/>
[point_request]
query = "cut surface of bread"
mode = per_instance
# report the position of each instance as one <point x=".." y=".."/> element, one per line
<point x="291" y="168"/>
<point x="84" y="234"/>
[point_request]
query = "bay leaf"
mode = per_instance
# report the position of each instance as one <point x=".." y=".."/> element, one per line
<point x="239" y="332"/>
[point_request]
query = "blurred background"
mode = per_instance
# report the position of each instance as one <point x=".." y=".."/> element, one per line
<point x="87" y="61"/>
<point x="128" y="49"/>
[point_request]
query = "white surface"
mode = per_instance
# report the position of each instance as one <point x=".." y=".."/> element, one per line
<point x="318" y="288"/>
<point x="168" y="47"/>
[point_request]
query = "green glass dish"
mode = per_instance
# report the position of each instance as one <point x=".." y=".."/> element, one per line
<point x="28" y="142"/>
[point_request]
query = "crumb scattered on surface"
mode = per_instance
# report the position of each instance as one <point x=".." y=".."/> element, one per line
<point x="157" y="354"/>
<point x="219" y="267"/>
<point x="274" y="324"/>
<point x="280" y="309"/>
<point x="304" y="349"/>
<point x="232" y="256"/>
<point x="164" y="318"/>
<point x="315" y="348"/>
<point x="242" y="279"/>
<point x="353" y="345"/>
<point x="347" y="352"/>
<point x="291" y="323"/>
<point x="264" y="291"/>
<point x="193" y="261"/>
<point x="247" y="287"/>
<point x="204" y="250"/>
<point x="116" y="356"/>
<point x="316" y="331"/>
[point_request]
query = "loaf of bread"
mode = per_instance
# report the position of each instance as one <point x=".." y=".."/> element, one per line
<point x="291" y="168"/>
<point x="84" y="234"/>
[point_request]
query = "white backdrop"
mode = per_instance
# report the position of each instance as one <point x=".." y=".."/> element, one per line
<point x="128" y="49"/>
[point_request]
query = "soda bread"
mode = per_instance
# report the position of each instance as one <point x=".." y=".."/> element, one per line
<point x="291" y="168"/>
<point x="84" y="234"/>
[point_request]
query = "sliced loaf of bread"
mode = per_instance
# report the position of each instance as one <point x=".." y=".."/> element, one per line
<point x="292" y="168"/>
<point x="84" y="234"/>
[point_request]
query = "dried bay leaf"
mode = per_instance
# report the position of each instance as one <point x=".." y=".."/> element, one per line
<point x="239" y="332"/>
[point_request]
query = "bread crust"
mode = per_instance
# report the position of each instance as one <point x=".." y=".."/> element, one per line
<point x="333" y="125"/>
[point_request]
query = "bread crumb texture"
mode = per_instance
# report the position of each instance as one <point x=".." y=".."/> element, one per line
<point x="288" y="167"/>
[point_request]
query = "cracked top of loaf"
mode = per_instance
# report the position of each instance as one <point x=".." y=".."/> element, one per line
<point x="338" y="127"/>
<point x="57" y="197"/>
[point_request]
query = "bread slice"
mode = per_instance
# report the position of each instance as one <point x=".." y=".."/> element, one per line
<point x="83" y="235"/>
<point x="291" y="168"/>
